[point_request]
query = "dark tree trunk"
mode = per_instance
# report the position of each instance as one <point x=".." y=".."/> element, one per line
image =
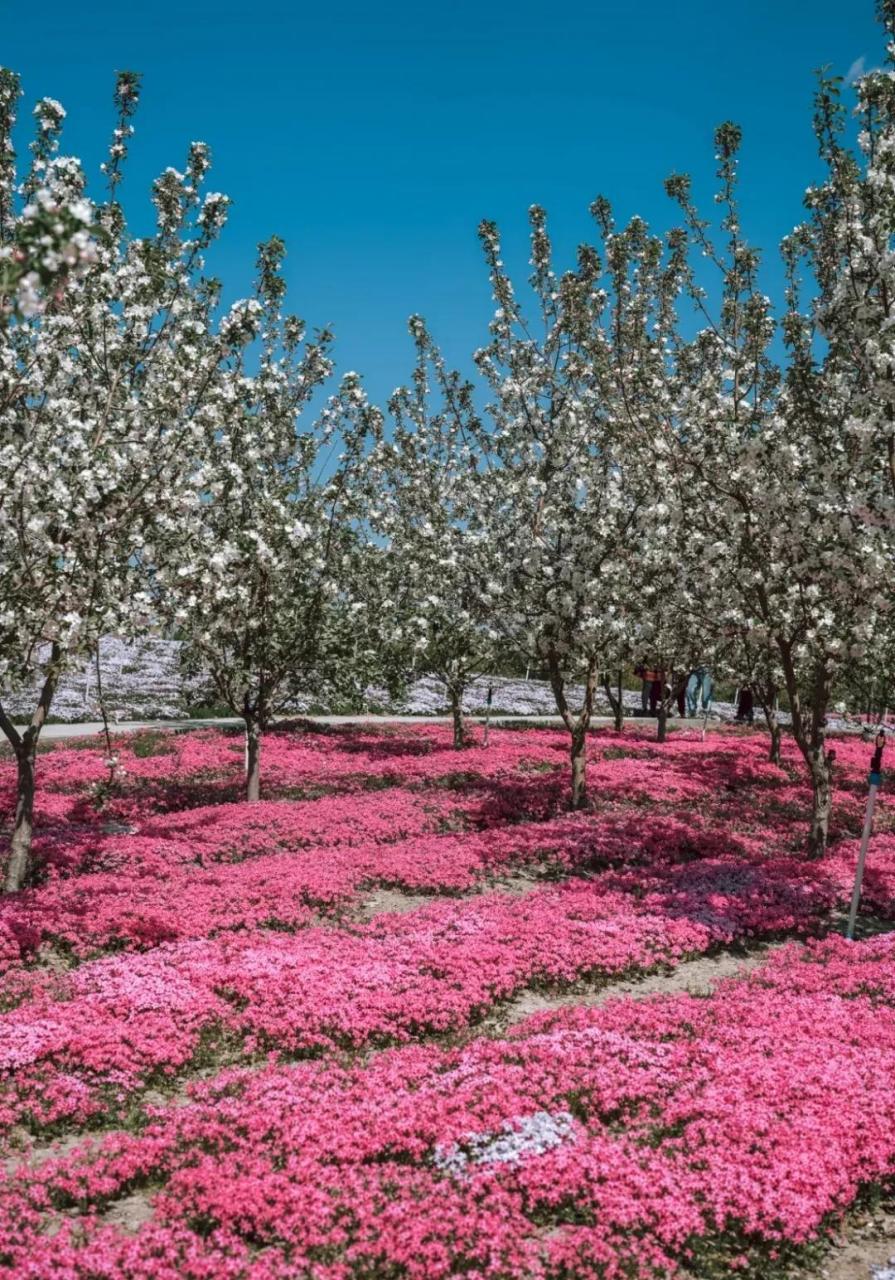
<point x="456" y="699"/>
<point x="253" y="761"/>
<point x="110" y="750"/>
<point x="767" y="694"/>
<point x="677" y="692"/>
<point x="616" y="702"/>
<point x="811" y="738"/>
<point x="821" y="806"/>
<point x="576" y="725"/>
<point x="662" y="722"/>
<point x="24" y="746"/>
<point x="579" y="770"/>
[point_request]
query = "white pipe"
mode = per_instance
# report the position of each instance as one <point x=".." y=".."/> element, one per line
<point x="859" y="873"/>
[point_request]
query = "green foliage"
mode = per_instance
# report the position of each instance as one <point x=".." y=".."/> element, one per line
<point x="152" y="742"/>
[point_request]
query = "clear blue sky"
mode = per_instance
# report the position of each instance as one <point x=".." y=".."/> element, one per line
<point x="374" y="138"/>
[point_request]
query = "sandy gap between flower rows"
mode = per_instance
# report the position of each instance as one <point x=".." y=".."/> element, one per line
<point x="692" y="977"/>
<point x="395" y="901"/>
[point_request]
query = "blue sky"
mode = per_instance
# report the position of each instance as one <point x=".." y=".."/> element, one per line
<point x="373" y="138"/>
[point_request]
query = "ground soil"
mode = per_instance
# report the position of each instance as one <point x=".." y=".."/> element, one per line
<point x="865" y="1244"/>
<point x="695" y="977"/>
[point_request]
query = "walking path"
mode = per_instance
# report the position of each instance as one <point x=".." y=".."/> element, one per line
<point x="88" y="728"/>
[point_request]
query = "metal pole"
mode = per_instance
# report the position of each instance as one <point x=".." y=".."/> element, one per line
<point x="488" y="715"/>
<point x="876" y="778"/>
<point x="859" y="874"/>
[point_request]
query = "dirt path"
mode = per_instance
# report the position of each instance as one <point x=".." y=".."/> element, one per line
<point x="694" y="977"/>
<point x="864" y="1249"/>
<point x="380" y="902"/>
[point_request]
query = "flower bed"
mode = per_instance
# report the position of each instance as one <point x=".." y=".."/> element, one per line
<point x="434" y="970"/>
<point x="630" y="1140"/>
<point x="178" y="932"/>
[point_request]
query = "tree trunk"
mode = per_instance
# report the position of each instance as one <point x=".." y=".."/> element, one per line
<point x="667" y="701"/>
<point x="110" y="750"/>
<point x="253" y="761"/>
<point x="23" y="829"/>
<point x="615" y="701"/>
<point x="579" y="770"/>
<point x="456" y="697"/>
<point x="821" y="806"/>
<point x="662" y="729"/>
<point x="25" y="747"/>
<point x="811" y="738"/>
<point x="767" y="694"/>
<point x="576" y="725"/>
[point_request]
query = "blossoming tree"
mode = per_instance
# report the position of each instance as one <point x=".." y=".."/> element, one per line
<point x="48" y="240"/>
<point x="269" y="592"/>
<point x="106" y="387"/>
<point x="573" y="402"/>
<point x="777" y="467"/>
<point x="440" y="558"/>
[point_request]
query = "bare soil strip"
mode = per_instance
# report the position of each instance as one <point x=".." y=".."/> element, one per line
<point x="693" y="977"/>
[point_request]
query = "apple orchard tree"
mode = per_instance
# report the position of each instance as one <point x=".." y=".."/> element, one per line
<point x="572" y="481"/>
<point x="107" y="392"/>
<point x="269" y="592"/>
<point x="439" y="556"/>
<point x="776" y="467"/>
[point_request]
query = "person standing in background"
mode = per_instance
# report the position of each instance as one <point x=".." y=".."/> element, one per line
<point x="699" y="688"/>
<point x="746" y="706"/>
<point x="648" y="696"/>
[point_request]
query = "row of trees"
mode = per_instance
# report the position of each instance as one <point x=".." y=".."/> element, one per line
<point x="649" y="460"/>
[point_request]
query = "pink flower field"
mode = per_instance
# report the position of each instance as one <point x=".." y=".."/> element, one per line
<point x="290" y="1039"/>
